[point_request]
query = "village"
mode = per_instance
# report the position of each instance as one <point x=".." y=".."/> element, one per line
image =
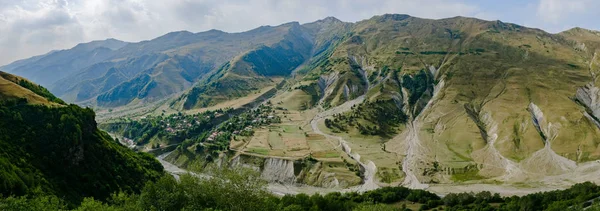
<point x="245" y="123"/>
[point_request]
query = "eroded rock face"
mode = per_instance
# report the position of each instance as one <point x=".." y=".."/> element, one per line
<point x="589" y="97"/>
<point x="545" y="161"/>
<point x="279" y="170"/>
<point x="325" y="82"/>
<point x="492" y="162"/>
<point x="547" y="130"/>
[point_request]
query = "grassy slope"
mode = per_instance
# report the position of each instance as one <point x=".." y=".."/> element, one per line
<point x="14" y="87"/>
<point x="58" y="149"/>
<point x="490" y="68"/>
<point x="497" y="67"/>
<point x="252" y="70"/>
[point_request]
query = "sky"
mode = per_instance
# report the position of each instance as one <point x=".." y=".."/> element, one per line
<point x="34" y="27"/>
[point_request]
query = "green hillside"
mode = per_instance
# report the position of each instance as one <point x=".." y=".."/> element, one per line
<point x="427" y="102"/>
<point x="52" y="148"/>
<point x="485" y="74"/>
<point x="391" y="100"/>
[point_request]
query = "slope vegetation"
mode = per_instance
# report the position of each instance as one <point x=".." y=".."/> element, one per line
<point x="48" y="147"/>
<point x="451" y="98"/>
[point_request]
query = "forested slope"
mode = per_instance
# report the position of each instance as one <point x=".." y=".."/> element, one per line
<point x="48" y="147"/>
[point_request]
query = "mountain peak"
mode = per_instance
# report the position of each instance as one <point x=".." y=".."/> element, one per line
<point x="216" y="31"/>
<point x="177" y="33"/>
<point x="393" y="17"/>
<point x="293" y="23"/>
<point x="330" y="19"/>
<point x="579" y="30"/>
<point x="109" y="43"/>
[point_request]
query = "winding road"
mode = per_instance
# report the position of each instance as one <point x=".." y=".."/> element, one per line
<point x="369" y="168"/>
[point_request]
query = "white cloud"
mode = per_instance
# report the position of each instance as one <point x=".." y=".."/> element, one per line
<point x="554" y="10"/>
<point x="32" y="27"/>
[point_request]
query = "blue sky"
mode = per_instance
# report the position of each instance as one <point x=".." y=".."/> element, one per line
<point x="33" y="27"/>
<point x="550" y="15"/>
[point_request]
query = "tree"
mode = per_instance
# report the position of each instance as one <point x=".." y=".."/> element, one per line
<point x="165" y="194"/>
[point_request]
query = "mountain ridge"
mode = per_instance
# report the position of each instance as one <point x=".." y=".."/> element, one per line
<point x="390" y="100"/>
<point x="177" y="42"/>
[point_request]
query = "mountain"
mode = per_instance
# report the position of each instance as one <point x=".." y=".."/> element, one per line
<point x="461" y="99"/>
<point x="152" y="70"/>
<point x="49" y="147"/>
<point x="390" y="100"/>
<point x="261" y="67"/>
<point x="53" y="66"/>
<point x="401" y="100"/>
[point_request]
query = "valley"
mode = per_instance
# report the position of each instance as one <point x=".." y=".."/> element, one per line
<point x="449" y="105"/>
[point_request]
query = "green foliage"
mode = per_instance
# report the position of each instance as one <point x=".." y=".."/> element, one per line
<point x="36" y="203"/>
<point x="242" y="189"/>
<point x="164" y="194"/>
<point x="374" y="207"/>
<point x="174" y="128"/>
<point x="41" y="91"/>
<point x="383" y="115"/>
<point x="210" y="131"/>
<point x="313" y="91"/>
<point x="418" y="85"/>
<point x="434" y="52"/>
<point x="60" y="151"/>
<point x="554" y="200"/>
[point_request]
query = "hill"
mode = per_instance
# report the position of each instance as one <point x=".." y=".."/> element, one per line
<point x="460" y="99"/>
<point x="391" y="100"/>
<point x="170" y="65"/>
<point x="428" y="104"/>
<point x="49" y="147"/>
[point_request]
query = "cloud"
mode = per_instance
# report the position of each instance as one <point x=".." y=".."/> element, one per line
<point x="35" y="27"/>
<point x="32" y="27"/>
<point x="559" y="15"/>
<point x="554" y="10"/>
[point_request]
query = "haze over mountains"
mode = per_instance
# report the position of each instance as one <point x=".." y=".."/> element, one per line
<point x="411" y="101"/>
<point x="114" y="73"/>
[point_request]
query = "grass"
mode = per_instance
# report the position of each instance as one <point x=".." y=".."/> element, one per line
<point x="13" y="91"/>
<point x="389" y="175"/>
<point x="464" y="158"/>
<point x="261" y="151"/>
<point x="326" y="154"/>
<point x="332" y="155"/>
<point x="275" y="141"/>
<point x="500" y="72"/>
<point x="233" y="103"/>
<point x="290" y="128"/>
<point x="467" y="176"/>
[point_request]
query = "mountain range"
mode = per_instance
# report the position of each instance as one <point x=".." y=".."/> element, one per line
<point x="412" y="101"/>
<point x="112" y="73"/>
